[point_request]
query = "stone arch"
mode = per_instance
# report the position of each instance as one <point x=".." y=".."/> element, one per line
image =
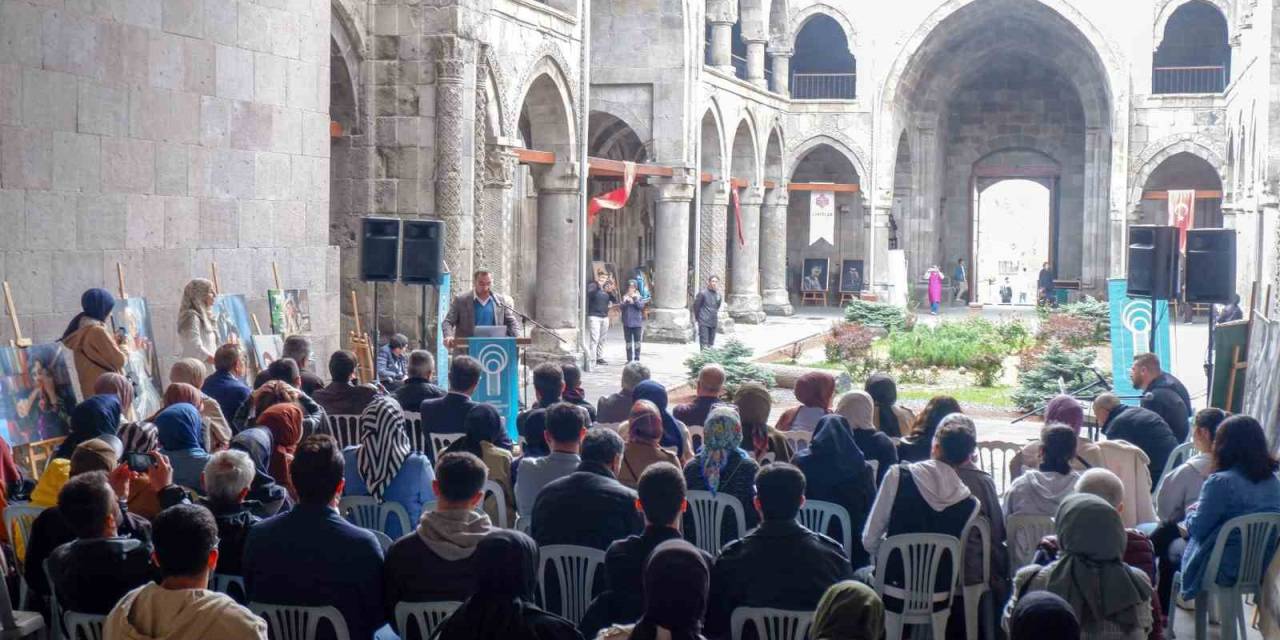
<point x="841" y="144"/>
<point x="1157" y="152"/>
<point x="713" y="132"/>
<point x="497" y="85"/>
<point x="549" y="88"/>
<point x="803" y="16"/>
<point x="774" y="162"/>
<point x="344" y="74"/>
<point x="345" y="16"/>
<point x="547" y="60"/>
<point x="1164" y="9"/>
<point x="745" y="149"/>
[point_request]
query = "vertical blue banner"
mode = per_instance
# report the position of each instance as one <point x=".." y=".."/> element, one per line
<point x="1131" y="326"/>
<point x="444" y="296"/>
<point x="499" y="379"/>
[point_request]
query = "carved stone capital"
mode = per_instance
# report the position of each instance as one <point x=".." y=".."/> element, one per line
<point x="752" y="196"/>
<point x="499" y="166"/>
<point x="452" y="56"/>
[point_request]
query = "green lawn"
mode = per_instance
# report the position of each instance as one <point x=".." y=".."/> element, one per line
<point x="986" y="396"/>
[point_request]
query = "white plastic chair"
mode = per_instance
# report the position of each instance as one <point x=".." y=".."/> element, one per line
<point x="426" y="616"/>
<point x="441" y="441"/>
<point x="17" y="522"/>
<point x="1257" y="535"/>
<point x="708" y="512"/>
<point x="229" y="585"/>
<point x="1024" y="532"/>
<point x="367" y="513"/>
<point x="994" y="458"/>
<point x="921" y="557"/>
<point x="499" y="503"/>
<point x="799" y="439"/>
<point x="695" y="436"/>
<point x="84" y="626"/>
<point x="575" y="569"/>
<point x="17" y="624"/>
<point x="816" y="516"/>
<point x="384" y="540"/>
<point x="972" y="593"/>
<point x="771" y="624"/>
<point x="875" y="471"/>
<point x="299" y="623"/>
<point x="345" y="429"/>
<point x="1179" y="455"/>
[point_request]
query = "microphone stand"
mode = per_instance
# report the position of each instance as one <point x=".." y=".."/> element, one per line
<point x="524" y="359"/>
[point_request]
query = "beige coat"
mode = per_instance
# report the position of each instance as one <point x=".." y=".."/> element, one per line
<point x="96" y="352"/>
<point x="498" y="460"/>
<point x="1130" y="464"/>
<point x="152" y="612"/>
<point x="637" y="457"/>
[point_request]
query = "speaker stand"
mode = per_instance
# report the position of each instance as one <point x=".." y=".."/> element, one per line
<point x="376" y="341"/>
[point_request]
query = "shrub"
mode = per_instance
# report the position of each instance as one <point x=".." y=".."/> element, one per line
<point x="877" y="314"/>
<point x="1096" y="313"/>
<point x="1073" y="331"/>
<point x="735" y="357"/>
<point x="975" y="344"/>
<point x="850" y="344"/>
<point x="1045" y="373"/>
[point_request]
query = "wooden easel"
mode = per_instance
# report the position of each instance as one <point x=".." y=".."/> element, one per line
<point x="275" y="274"/>
<point x="213" y="271"/>
<point x="362" y="346"/>
<point x="34" y="455"/>
<point x="847" y="296"/>
<point x="18" y="340"/>
<point x="813" y="297"/>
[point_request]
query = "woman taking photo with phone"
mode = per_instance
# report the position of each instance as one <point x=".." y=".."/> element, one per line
<point x="633" y="304"/>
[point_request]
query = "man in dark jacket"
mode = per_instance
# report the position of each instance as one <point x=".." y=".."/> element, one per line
<point x="600" y="297"/>
<point x="1142" y="428"/>
<point x="573" y="392"/>
<point x="710" y="386"/>
<point x="589" y="507"/>
<point x="616" y="407"/>
<point x="780" y="564"/>
<point x="447" y="414"/>
<point x="706" y="313"/>
<point x="226" y="386"/>
<point x="417" y="388"/>
<point x="297" y="349"/>
<point x="344" y="396"/>
<point x="1164" y="394"/>
<point x="548" y="384"/>
<point x="227" y="477"/>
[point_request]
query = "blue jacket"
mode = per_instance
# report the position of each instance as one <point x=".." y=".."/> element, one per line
<point x="391" y="366"/>
<point x="188" y="465"/>
<point x="633" y="313"/>
<point x="311" y="557"/>
<point x="411" y="487"/>
<point x="1225" y="495"/>
<point x="227" y="390"/>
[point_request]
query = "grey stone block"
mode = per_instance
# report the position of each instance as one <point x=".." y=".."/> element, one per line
<point x="315" y="134"/>
<point x="291" y="223"/>
<point x="101" y="221"/>
<point x="251" y="126"/>
<point x="26" y="158"/>
<point x="272" y="172"/>
<point x="76" y="162"/>
<point x="144" y="222"/>
<point x="13" y="219"/>
<point x="72" y="43"/>
<point x="10" y="94"/>
<point x="168" y="272"/>
<point x="181" y="224"/>
<point x="102" y="109"/>
<point x="230" y="174"/>
<point x="219" y="223"/>
<point x="302" y="82"/>
<point x="254" y="27"/>
<point x="184" y="17"/>
<point x="162" y="115"/>
<point x="48" y="100"/>
<point x="171" y="170"/>
<point x="127" y="52"/>
<point x="286" y="130"/>
<point x="128" y="166"/>
<point x="284" y="34"/>
<point x="75" y="271"/>
<point x="270" y="72"/>
<point x="215" y="122"/>
<point x="167" y="62"/>
<point x="143" y="13"/>
<point x="30" y="276"/>
<point x="235" y="274"/>
<point x="257" y="224"/>
<point x="220" y="21"/>
<point x="20" y="33"/>
<point x="234" y="77"/>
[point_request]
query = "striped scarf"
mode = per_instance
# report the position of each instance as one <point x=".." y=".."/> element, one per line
<point x="384" y="445"/>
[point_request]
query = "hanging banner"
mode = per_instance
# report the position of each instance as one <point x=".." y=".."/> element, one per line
<point x="616" y="199"/>
<point x="1131" y="327"/>
<point x="444" y="296"/>
<point x="1182" y="214"/>
<point x="822" y="216"/>
<point x="499" y="382"/>
<point x="737" y="216"/>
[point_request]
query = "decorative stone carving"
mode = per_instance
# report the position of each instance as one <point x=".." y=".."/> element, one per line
<point x="452" y="203"/>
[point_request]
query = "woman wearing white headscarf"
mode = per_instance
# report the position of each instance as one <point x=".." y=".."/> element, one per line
<point x="384" y="465"/>
<point x="196" y="332"/>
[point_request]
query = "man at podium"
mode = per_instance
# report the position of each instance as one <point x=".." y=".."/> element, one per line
<point x="480" y="307"/>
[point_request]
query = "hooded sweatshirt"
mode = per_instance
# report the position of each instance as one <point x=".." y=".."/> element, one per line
<point x="152" y="612"/>
<point x="434" y="564"/>
<point x="1037" y="493"/>
<point x="937" y="482"/>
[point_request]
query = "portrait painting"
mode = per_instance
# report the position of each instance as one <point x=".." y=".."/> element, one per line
<point x="231" y="321"/>
<point x="851" y="276"/>
<point x="813" y="277"/>
<point x="131" y="320"/>
<point x="38" y="390"/>
<point x="290" y="311"/>
<point x="267" y="349"/>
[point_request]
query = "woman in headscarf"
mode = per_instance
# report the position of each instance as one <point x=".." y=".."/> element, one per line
<point x="284" y="421"/>
<point x="754" y="404"/>
<point x="502" y="607"/>
<point x="96" y="350"/>
<point x="916" y="446"/>
<point x="141" y="437"/>
<point x="487" y="439"/>
<point x="179" y="431"/>
<point x="849" y="610"/>
<point x="836" y="471"/>
<point x="1042" y="615"/>
<point x="217" y="432"/>
<point x="196" y="331"/>
<point x="119" y="386"/>
<point x="722" y="466"/>
<point x="275" y="392"/>
<point x="890" y="419"/>
<point x="814" y="390"/>
<point x="674" y="433"/>
<point x="644" y="433"/>
<point x="97" y="415"/>
<point x="266" y="496"/>
<point x="1066" y="410"/>
<point x="677" y="582"/>
<point x="384" y="465"/>
<point x="1111" y="599"/>
<point x="858" y="408"/>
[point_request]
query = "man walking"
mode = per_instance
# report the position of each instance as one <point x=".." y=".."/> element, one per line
<point x="961" y="276"/>
<point x="706" y="312"/>
<point x="600" y="296"/>
<point x="1044" y="286"/>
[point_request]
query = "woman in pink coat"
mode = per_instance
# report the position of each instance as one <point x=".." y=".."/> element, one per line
<point x="935" y="288"/>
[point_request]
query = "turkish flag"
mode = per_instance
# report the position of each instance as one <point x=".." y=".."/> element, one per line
<point x="616" y="199"/>
<point x="1182" y="214"/>
<point x="737" y="215"/>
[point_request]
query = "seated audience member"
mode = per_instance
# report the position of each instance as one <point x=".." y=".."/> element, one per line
<point x="754" y="404"/>
<point x="1180" y="490"/>
<point x="849" y="610"/>
<point x="447" y="414"/>
<point x="615" y="407"/>
<point x="859" y="409"/>
<point x="589" y="507"/>
<point x="918" y="443"/>
<point x="284" y="423"/>
<point x="675" y="435"/>
<point x="1243" y="483"/>
<point x="1111" y="599"/>
<point x="417" y="387"/>
<point x="890" y="419"/>
<point x="297" y="349"/>
<point x="178" y="428"/>
<point x="780" y="564"/>
<point x="1066" y="410"/>
<point x="723" y="467"/>
<point x="226" y="386"/>
<point x="1038" y="492"/>
<point x="503" y="606"/>
<point x="96" y="416"/>
<point x="644" y="432"/>
<point x="814" y="390"/>
<point x="1140" y="427"/>
<point x="280" y="387"/>
<point x="227" y="480"/>
<point x="548" y="385"/>
<point x="266" y="497"/>
<point x="835" y="471"/>
<point x="216" y="429"/>
<point x="1162" y="393"/>
<point x="187" y="548"/>
<point x="344" y="395"/>
<point x="118" y="385"/>
<point x="1042" y="615"/>
<point x="141" y="437"/>
<point x="485" y="438"/>
<point x="435" y="563"/>
<point x="392" y="365"/>
<point x="573" y="393"/>
<point x="311" y="556"/>
<point x="384" y="464"/>
<point x="983" y="487"/>
<point x="677" y="578"/>
<point x="566" y="427"/>
<point x="91" y="573"/>
<point x="710" y="388"/>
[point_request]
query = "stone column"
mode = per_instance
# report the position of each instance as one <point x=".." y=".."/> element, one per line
<point x="1099" y="222"/>
<point x="455" y="177"/>
<point x="755" y="63"/>
<point x="722" y="44"/>
<point x="557" y="288"/>
<point x="669" y="318"/>
<point x="744" y="304"/>
<point x="495" y="216"/>
<point x="878" y="270"/>
<point x="773" y="252"/>
<point x="711" y="238"/>
<point x="782" y="71"/>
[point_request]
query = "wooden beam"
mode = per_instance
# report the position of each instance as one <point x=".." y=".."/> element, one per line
<point x="825" y="186"/>
<point x="603" y="167"/>
<point x="530" y="156"/>
<point x="1164" y="195"/>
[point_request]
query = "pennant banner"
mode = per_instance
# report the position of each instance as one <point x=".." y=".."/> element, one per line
<point x="822" y="216"/>
<point x="616" y="199"/>
<point x="737" y="215"/>
<point x="1182" y="214"/>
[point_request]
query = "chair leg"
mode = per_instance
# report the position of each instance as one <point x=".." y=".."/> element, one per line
<point x="892" y="626"/>
<point x="940" y="624"/>
<point x="1230" y="614"/>
<point x="971" y="602"/>
<point x="1202" y="616"/>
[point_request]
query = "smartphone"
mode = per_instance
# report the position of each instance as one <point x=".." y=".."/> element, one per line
<point x="139" y="462"/>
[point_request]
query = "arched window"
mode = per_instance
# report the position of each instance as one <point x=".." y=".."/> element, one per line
<point x="1194" y="56"/>
<point x="822" y="67"/>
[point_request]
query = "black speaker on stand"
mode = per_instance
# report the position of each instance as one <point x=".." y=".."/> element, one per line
<point x="1153" y="262"/>
<point x="422" y="254"/>
<point x="1211" y="266"/>
<point x="379" y="257"/>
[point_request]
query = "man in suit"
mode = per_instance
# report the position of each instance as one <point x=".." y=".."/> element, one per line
<point x="446" y="415"/>
<point x="479" y="307"/>
<point x="589" y="507"/>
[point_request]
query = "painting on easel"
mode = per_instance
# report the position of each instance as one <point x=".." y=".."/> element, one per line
<point x="37" y="392"/>
<point x="290" y="311"/>
<point x="267" y="349"/>
<point x="132" y="320"/>
<point x="231" y="321"/>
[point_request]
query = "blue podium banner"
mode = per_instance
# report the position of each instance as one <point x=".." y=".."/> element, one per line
<point x="444" y="296"/>
<point x="1131" y="327"/>
<point x="499" y="378"/>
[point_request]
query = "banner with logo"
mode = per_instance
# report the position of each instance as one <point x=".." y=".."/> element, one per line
<point x="822" y="216"/>
<point x="444" y="296"/>
<point x="1131" y="327"/>
<point x="499" y="379"/>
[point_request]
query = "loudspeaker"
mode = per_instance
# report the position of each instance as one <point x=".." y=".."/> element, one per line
<point x="379" y="249"/>
<point x="1211" y="265"/>
<point x="1153" y="262"/>
<point x="422" y="256"/>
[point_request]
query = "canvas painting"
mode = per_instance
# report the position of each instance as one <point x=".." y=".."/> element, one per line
<point x="231" y="321"/>
<point x="38" y="390"/>
<point x="1262" y="384"/>
<point x="814" y="276"/>
<point x="267" y="349"/>
<point x="851" y="276"/>
<point x="132" y="322"/>
<point x="290" y="311"/>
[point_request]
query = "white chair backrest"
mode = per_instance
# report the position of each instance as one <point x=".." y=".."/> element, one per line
<point x="921" y="556"/>
<point x="17" y="523"/>
<point x="771" y="624"/>
<point x="982" y="527"/>
<point x="384" y="540"/>
<point x="367" y="513"/>
<point x="708" y="512"/>
<point x="441" y="441"/>
<point x="768" y="457"/>
<point x="499" y="502"/>
<point x="575" y="570"/>
<point x="1257" y="534"/>
<point x="229" y="585"/>
<point x="816" y="516"/>
<point x="84" y="626"/>
<point x="1179" y="455"/>
<point x="345" y="429"/>
<point x="695" y="434"/>
<point x="799" y="439"/>
<point x="994" y="458"/>
<point x="1024" y="532"/>
<point x="523" y="524"/>
<point x="426" y="616"/>
<point x="875" y="471"/>
<point x="299" y="623"/>
<point x="412" y="422"/>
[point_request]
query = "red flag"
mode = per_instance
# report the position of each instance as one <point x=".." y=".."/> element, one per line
<point x="616" y="199"/>
<point x="737" y="215"/>
<point x="1182" y="214"/>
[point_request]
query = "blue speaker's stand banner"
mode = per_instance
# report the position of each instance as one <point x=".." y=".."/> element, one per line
<point x="499" y="378"/>
<point x="444" y="296"/>
<point x="1131" y="327"/>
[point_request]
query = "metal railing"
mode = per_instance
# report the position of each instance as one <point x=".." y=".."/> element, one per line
<point x="824" y="86"/>
<point x="739" y="66"/>
<point x="1206" y="79"/>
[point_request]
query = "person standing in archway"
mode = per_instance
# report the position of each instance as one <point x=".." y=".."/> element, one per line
<point x="935" y="278"/>
<point x="706" y="311"/>
<point x="961" y="276"/>
<point x="1044" y="285"/>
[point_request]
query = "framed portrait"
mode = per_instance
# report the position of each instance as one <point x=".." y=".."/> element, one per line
<point x="814" y="275"/>
<point x="38" y="390"/>
<point x="267" y="348"/>
<point x="851" y="272"/>
<point x="132" y="320"/>
<point x="231" y="321"/>
<point x="290" y="311"/>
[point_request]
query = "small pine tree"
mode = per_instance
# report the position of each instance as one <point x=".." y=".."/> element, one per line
<point x="735" y="357"/>
<point x="1054" y="367"/>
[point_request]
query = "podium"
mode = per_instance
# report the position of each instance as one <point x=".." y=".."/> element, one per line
<point x="499" y="384"/>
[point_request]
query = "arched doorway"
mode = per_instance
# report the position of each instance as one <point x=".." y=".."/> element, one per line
<point x="1194" y="55"/>
<point x="621" y="240"/>
<point x="742" y="233"/>
<point x="831" y="241"/>
<point x="1012" y="218"/>
<point x="1182" y="171"/>
<point x="706" y="256"/>
<point x="823" y="66"/>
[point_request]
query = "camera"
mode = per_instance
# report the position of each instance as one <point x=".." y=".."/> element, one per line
<point x="139" y="462"/>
